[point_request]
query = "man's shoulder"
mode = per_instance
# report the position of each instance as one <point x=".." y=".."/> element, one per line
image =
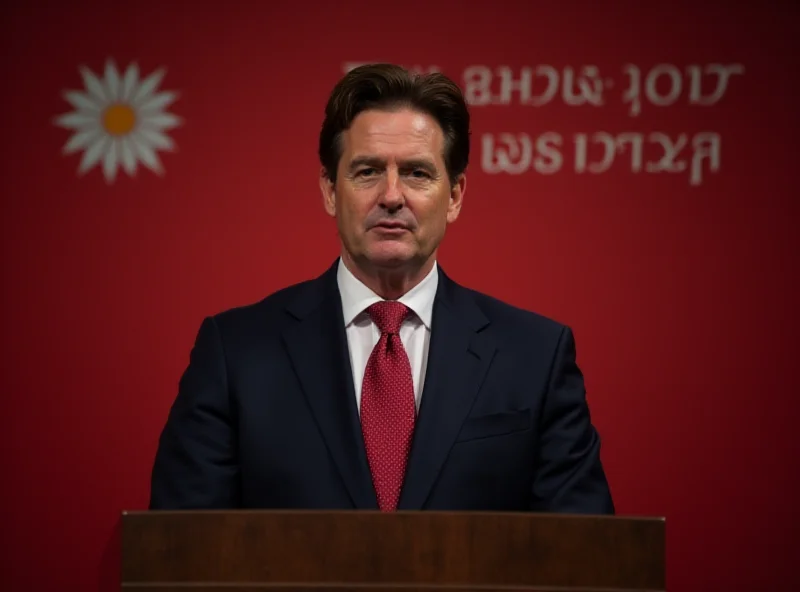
<point x="269" y="310"/>
<point x="512" y="319"/>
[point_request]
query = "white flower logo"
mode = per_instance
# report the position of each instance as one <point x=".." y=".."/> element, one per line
<point x="119" y="120"/>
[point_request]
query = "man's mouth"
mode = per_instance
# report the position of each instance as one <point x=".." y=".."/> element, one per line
<point x="398" y="225"/>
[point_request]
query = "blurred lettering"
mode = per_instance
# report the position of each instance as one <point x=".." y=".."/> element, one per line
<point x="664" y="85"/>
<point x="515" y="154"/>
<point x="535" y="86"/>
<point x="598" y="152"/>
<point x="588" y="84"/>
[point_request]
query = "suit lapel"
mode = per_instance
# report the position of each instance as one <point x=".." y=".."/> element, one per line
<point x="317" y="346"/>
<point x="459" y="356"/>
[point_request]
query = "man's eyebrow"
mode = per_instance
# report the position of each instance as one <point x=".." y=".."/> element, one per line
<point x="419" y="163"/>
<point x="377" y="162"/>
<point x="372" y="161"/>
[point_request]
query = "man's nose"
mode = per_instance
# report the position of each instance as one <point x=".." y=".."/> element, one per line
<point x="392" y="197"/>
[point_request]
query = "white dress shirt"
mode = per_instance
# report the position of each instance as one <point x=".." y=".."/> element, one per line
<point x="363" y="334"/>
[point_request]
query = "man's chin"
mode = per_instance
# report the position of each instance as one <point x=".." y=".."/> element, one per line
<point x="390" y="255"/>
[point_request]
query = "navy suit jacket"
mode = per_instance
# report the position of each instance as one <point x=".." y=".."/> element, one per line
<point x="266" y="417"/>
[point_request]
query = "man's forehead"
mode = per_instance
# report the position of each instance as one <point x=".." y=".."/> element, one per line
<point x="393" y="135"/>
<point x="399" y="118"/>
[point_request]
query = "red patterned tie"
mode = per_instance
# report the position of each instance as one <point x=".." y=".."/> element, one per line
<point x="388" y="409"/>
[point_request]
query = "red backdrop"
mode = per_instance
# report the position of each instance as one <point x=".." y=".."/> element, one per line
<point x="656" y="217"/>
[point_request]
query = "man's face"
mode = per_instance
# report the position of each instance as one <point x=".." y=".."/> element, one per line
<point x="392" y="199"/>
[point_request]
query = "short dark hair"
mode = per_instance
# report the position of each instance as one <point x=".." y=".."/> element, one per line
<point x="387" y="86"/>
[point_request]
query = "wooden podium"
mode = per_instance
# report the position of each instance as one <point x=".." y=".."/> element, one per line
<point x="348" y="551"/>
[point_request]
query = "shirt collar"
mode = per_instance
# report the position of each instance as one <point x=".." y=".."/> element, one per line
<point x="356" y="297"/>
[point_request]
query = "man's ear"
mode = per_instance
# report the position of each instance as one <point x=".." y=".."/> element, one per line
<point x="457" y="192"/>
<point x="328" y="189"/>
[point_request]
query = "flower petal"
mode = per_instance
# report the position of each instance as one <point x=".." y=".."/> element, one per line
<point x="94" y="86"/>
<point x="81" y="140"/>
<point x="127" y="157"/>
<point x="158" y="101"/>
<point x="77" y="121"/>
<point x="155" y="139"/>
<point x="93" y="154"/>
<point x="112" y="82"/>
<point x="148" y="156"/>
<point x="110" y="162"/>
<point x="147" y="87"/>
<point x="82" y="101"/>
<point x="129" y="82"/>
<point x="160" y="121"/>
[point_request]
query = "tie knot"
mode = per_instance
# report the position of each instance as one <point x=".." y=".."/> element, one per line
<point x="388" y="315"/>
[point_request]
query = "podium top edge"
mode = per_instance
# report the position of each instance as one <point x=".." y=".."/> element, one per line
<point x="310" y="512"/>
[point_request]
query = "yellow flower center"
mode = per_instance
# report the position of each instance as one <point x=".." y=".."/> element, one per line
<point x="119" y="119"/>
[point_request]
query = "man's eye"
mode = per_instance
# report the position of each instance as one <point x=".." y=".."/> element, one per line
<point x="420" y="174"/>
<point x="365" y="172"/>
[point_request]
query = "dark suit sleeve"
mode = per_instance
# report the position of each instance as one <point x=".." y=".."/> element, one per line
<point x="569" y="476"/>
<point x="196" y="461"/>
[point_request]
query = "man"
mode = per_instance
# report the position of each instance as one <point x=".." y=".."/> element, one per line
<point x="383" y="384"/>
